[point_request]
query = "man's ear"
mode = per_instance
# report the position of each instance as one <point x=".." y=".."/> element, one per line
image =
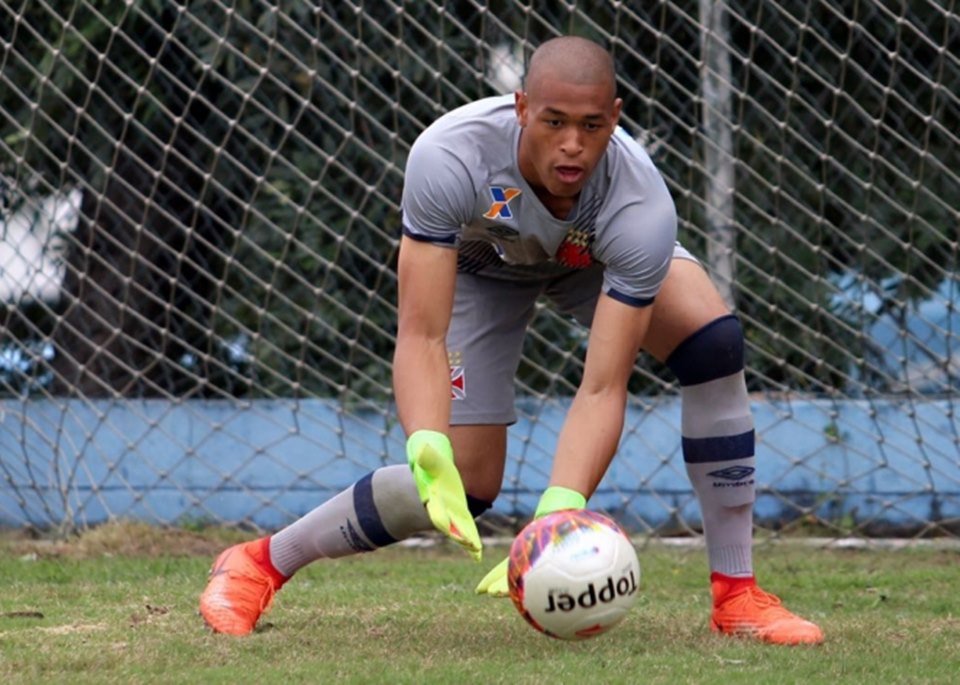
<point x="520" y="104"/>
<point x="617" y="106"/>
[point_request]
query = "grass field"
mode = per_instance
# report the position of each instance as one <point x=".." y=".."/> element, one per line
<point x="118" y="605"/>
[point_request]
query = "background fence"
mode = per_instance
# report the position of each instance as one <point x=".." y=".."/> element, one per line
<point x="200" y="221"/>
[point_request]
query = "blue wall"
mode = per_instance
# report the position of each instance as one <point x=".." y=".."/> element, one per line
<point x="267" y="462"/>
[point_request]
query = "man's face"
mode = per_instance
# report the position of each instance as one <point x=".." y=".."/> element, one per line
<point x="566" y="129"/>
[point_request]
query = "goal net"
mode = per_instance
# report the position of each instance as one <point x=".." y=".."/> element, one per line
<point x="200" y="222"/>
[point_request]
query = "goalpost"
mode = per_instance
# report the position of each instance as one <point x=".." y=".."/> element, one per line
<point x="199" y="220"/>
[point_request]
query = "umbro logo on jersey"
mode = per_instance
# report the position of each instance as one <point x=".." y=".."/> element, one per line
<point x="733" y="472"/>
<point x="500" y="208"/>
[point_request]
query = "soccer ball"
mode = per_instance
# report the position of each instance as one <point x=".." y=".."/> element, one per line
<point x="573" y="574"/>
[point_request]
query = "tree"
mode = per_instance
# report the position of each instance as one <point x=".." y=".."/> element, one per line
<point x="241" y="171"/>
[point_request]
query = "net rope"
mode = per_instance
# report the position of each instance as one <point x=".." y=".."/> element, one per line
<point x="199" y="209"/>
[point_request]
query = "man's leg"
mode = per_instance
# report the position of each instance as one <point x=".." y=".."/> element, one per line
<point x="695" y="335"/>
<point x="486" y="333"/>
<point x="381" y="508"/>
<point x="485" y="340"/>
<point x="480" y="453"/>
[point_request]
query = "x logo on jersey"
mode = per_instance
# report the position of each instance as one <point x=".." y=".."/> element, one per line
<point x="501" y="200"/>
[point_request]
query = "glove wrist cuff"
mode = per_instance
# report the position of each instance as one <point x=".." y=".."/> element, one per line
<point x="556" y="498"/>
<point x="435" y="439"/>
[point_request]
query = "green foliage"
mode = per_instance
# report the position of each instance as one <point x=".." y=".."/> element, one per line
<point x="256" y="152"/>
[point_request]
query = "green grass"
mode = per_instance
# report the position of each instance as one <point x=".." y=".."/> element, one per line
<point x="119" y="606"/>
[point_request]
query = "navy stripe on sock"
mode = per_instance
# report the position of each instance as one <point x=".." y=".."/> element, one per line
<point x="724" y="448"/>
<point x="367" y="515"/>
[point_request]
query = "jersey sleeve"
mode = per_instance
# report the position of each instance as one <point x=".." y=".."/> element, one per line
<point x="639" y="248"/>
<point x="640" y="222"/>
<point x="438" y="193"/>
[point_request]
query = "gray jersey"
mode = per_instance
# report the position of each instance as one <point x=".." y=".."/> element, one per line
<point x="463" y="189"/>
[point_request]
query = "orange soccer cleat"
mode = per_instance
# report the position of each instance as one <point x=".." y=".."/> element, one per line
<point x="742" y="608"/>
<point x="240" y="589"/>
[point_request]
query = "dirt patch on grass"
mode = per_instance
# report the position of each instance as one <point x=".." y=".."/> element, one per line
<point x="121" y="538"/>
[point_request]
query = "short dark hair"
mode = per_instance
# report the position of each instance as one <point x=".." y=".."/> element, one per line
<point x="576" y="59"/>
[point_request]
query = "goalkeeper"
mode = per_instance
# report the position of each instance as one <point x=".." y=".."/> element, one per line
<point x="506" y="200"/>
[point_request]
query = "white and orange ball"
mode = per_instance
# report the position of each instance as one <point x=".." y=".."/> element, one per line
<point x="573" y="574"/>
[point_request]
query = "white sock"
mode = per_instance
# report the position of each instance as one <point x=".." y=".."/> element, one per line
<point x="379" y="509"/>
<point x="718" y="452"/>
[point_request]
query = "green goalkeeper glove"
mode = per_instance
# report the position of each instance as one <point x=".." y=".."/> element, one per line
<point x="441" y="490"/>
<point x="554" y="498"/>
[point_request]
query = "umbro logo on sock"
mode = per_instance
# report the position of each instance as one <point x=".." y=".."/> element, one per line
<point x="733" y="472"/>
<point x="357" y="543"/>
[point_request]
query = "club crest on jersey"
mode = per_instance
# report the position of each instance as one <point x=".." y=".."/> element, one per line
<point x="574" y="251"/>
<point x="458" y="386"/>
<point x="500" y="208"/>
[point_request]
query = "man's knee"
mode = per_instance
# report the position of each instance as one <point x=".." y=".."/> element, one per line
<point x="480" y="453"/>
<point x="711" y="352"/>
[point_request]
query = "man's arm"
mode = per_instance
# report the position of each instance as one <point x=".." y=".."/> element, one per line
<point x="591" y="432"/>
<point x="421" y="379"/>
<point x="426" y="276"/>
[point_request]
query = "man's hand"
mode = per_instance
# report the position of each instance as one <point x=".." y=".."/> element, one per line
<point x="554" y="498"/>
<point x="495" y="582"/>
<point x="441" y="490"/>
